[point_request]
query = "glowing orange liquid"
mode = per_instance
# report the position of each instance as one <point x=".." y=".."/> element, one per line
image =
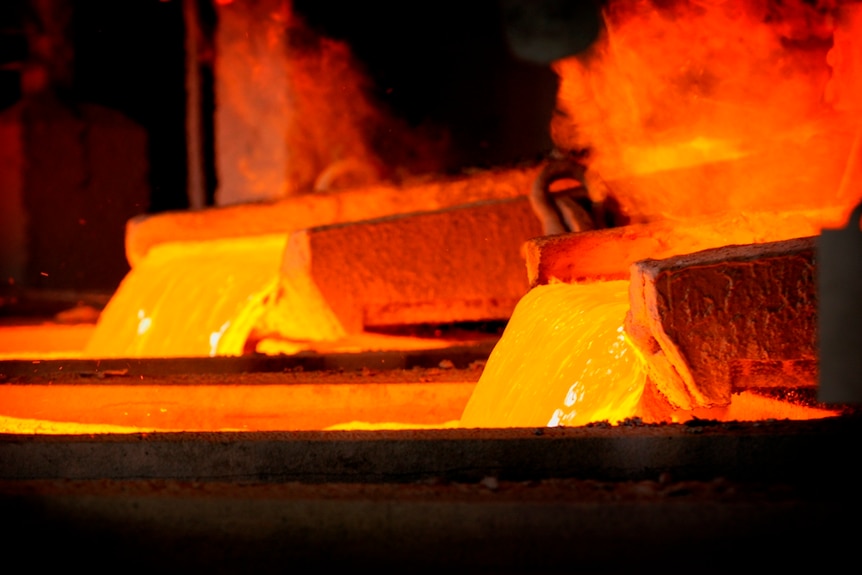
<point x="145" y="406"/>
<point x="563" y="360"/>
<point x="190" y="300"/>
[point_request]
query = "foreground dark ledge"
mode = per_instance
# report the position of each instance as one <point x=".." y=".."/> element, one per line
<point x="718" y="497"/>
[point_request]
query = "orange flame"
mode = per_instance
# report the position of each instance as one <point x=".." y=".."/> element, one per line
<point x="721" y="103"/>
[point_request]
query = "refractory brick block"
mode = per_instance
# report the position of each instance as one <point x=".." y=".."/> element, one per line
<point x="722" y="319"/>
<point x="454" y="265"/>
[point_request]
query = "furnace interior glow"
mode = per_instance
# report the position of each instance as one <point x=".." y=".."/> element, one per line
<point x="689" y="109"/>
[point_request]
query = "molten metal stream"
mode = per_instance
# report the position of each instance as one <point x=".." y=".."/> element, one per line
<point x="190" y="300"/>
<point x="563" y="360"/>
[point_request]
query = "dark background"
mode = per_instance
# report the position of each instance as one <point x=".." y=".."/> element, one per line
<point x="444" y="64"/>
